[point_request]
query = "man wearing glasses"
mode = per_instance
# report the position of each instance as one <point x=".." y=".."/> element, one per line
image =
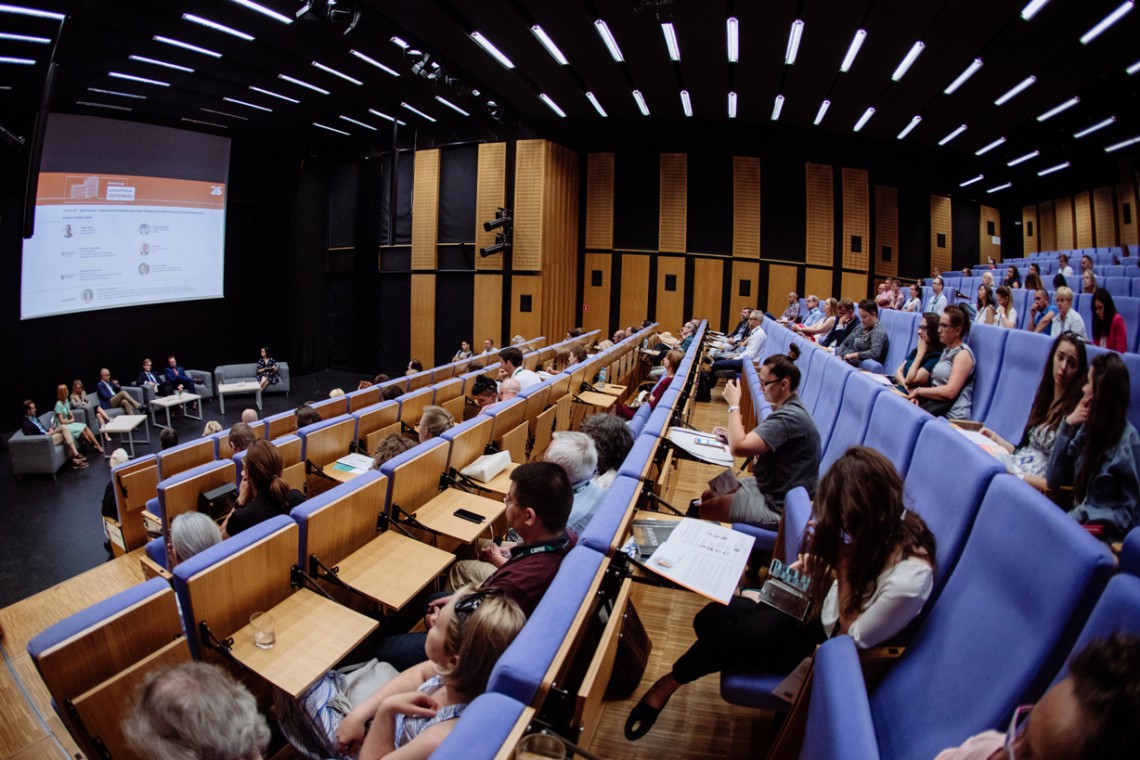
<point x="752" y="348"/>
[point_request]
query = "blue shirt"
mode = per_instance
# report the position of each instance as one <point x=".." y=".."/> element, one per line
<point x="814" y="316"/>
<point x="1036" y="320"/>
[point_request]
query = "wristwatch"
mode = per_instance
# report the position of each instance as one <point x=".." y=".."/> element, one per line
<point x="732" y="409"/>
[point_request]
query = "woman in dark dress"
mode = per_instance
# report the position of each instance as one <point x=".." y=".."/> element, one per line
<point x="263" y="494"/>
<point x="267" y="369"/>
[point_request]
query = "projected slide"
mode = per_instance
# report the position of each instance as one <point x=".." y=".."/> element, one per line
<point x="105" y="240"/>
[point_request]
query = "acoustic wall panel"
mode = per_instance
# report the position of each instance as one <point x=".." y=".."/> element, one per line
<point x="670" y="293"/>
<point x="817" y="282"/>
<point x="1104" y="218"/>
<point x="671" y="226"/>
<point x="423" y="317"/>
<point x="987" y="247"/>
<point x="745" y="208"/>
<point x="596" y="290"/>
<point x="708" y="289"/>
<point x="886" y="232"/>
<point x="488" y="320"/>
<point x="1046" y="218"/>
<point x="1030" y="230"/>
<point x="600" y="201"/>
<point x="635" y="292"/>
<point x="941" y="234"/>
<point x="425" y="209"/>
<point x="856" y="219"/>
<point x="1082" y="219"/>
<point x="1063" y="218"/>
<point x="1126" y="199"/>
<point x="526" y="306"/>
<point x="820" y="240"/>
<point x="745" y="288"/>
<point x="530" y="164"/>
<point x="490" y="195"/>
<point x="854" y="286"/>
<point x="781" y="281"/>
<point x="559" y="240"/>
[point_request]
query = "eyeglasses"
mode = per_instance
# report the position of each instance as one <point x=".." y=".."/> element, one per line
<point x="766" y="383"/>
<point x="1016" y="728"/>
<point x="944" y="325"/>
<point x="466" y="606"/>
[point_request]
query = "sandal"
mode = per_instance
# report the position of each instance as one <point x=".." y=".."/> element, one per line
<point x="99" y="448"/>
<point x="79" y="463"/>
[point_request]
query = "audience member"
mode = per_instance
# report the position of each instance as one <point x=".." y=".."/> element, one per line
<point x="937" y="302"/>
<point x="786" y="447"/>
<point x="1088" y="282"/>
<point x="391" y="393"/>
<point x="484" y="392"/>
<point x="249" y="416"/>
<point x="167" y="438"/>
<point x="820" y="328"/>
<point x="307" y="415"/>
<point x="1012" y="277"/>
<point x="1042" y="314"/>
<point x="1086" y="263"/>
<point x="32" y="425"/>
<point x="64" y="417"/>
<point x="111" y="394"/>
<point x="178" y="377"/>
<point x="883" y="557"/>
<point x="1059" y="281"/>
<point x="792" y="313"/>
<point x="518" y="340"/>
<point x="845" y="324"/>
<point x="267" y="371"/>
<point x="109" y="508"/>
<point x="1108" y="326"/>
<point x="389" y="447"/>
<point x="558" y="363"/>
<point x="1097" y="451"/>
<point x="988" y="280"/>
<point x="575" y="453"/>
<point x="985" y="310"/>
<point x="1060" y="390"/>
<point x="414" y="366"/>
<point x="434" y="422"/>
<point x="868" y="341"/>
<point x="951" y="390"/>
<point x="814" y="314"/>
<point x="1067" y="318"/>
<point x="213" y="426"/>
<point x="1033" y="282"/>
<point x="670" y="363"/>
<point x="914" y="302"/>
<point x="488" y="347"/>
<point x="1005" y="313"/>
<point x="1063" y="267"/>
<point x="262" y="493"/>
<point x="752" y="346"/>
<point x="511" y="361"/>
<point x="241" y="436"/>
<point x="192" y="711"/>
<point x="464" y="352"/>
<point x="509" y="389"/>
<point x="920" y="362"/>
<point x="190" y="533"/>
<point x="336" y="393"/>
<point x="579" y="353"/>
<point x="612" y="440"/>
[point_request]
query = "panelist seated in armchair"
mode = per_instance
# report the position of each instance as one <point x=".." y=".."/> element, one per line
<point x="111" y="394"/>
<point x="33" y="426"/>
<point x="157" y="384"/>
<point x="178" y="377"/>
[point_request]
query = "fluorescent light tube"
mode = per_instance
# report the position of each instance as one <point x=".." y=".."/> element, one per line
<point x="331" y="129"/>
<point x="551" y="104"/>
<point x="102" y="105"/>
<point x="336" y="73"/>
<point x="608" y="38"/>
<point x="417" y="112"/>
<point x="1058" y="109"/>
<point x="1052" y="169"/>
<point x="374" y="62"/>
<point x="36" y="12"/>
<point x="544" y="38"/>
<point x="969" y="182"/>
<point x="686" y="103"/>
<point x="1030" y="10"/>
<point x="907" y="129"/>
<point x="732" y="31"/>
<point x="1013" y="92"/>
<point x="18" y="61"/>
<point x="961" y="80"/>
<point x="204" y="123"/>
<point x="273" y="94"/>
<point x="186" y="46"/>
<point x="264" y="11"/>
<point x="596" y="104"/>
<point x="1133" y="68"/>
<point x="156" y="62"/>
<point x="1099" y="125"/>
<point x="671" y="41"/>
<point x="908" y="61"/>
<point x="1000" y="187"/>
<point x="386" y="117"/>
<point x="247" y="105"/>
<point x="987" y="148"/>
<point x="1122" y="144"/>
<point x="492" y="51"/>
<point x="357" y="123"/>
<point x="1023" y="159"/>
<point x="641" y="105"/>
<point x="794" y="37"/>
<point x="452" y="106"/>
<point x="777" y="107"/>
<point x="224" y="113"/>
<point x="952" y="135"/>
<point x="866" y="117"/>
<point x="133" y="78"/>
<point x="853" y="50"/>
<point x="116" y="92"/>
<point x="216" y="26"/>
<point x="1106" y="22"/>
<point x="400" y="42"/>
<point x="821" y="112"/>
<point x="732" y="105"/>
<point x="302" y="83"/>
<point x="24" y="38"/>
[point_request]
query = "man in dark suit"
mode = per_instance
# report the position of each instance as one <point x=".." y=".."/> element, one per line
<point x="147" y="378"/>
<point x="32" y="426"/>
<point x="177" y="376"/>
<point x="111" y="394"/>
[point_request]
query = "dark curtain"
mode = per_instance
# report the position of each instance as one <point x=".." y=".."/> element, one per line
<point x="637" y="179"/>
<point x="964" y="220"/>
<point x="454" y="307"/>
<point x="709" y="225"/>
<point x="458" y="177"/>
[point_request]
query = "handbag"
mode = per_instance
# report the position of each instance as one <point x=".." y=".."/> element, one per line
<point x="634" y="646"/>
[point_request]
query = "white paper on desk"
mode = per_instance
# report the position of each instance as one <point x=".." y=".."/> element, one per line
<point x="880" y="379"/>
<point x="704" y="557"/>
<point x="356" y="461"/>
<point x="988" y="446"/>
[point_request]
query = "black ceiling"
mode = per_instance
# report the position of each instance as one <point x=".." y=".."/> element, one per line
<point x="98" y="36"/>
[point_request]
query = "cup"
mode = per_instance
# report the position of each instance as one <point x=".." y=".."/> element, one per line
<point x="264" y="637"/>
<point x="540" y="747"/>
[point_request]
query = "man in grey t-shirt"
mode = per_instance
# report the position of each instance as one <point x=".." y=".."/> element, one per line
<point x="786" y="446"/>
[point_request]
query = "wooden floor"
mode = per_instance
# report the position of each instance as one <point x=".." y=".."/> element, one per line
<point x="697" y="723"/>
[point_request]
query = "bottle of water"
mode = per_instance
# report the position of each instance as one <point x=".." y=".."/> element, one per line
<point x="602" y="378"/>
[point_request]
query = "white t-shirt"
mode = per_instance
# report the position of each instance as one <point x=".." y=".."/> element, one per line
<point x="526" y="377"/>
<point x="900" y="592"/>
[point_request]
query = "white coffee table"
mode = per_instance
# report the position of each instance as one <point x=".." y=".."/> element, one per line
<point x="174" y="399"/>
<point x="247" y="386"/>
<point x="124" y="426"/>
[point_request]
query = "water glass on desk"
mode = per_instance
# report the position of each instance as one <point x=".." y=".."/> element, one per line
<point x="540" y="747"/>
<point x="264" y="636"/>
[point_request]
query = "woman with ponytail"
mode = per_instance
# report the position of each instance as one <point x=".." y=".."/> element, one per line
<point x="262" y="494"/>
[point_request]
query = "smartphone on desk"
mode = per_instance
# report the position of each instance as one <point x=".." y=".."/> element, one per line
<point x="466" y="514"/>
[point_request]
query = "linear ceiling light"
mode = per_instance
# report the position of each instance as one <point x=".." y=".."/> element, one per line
<point x="1133" y="68"/>
<point x="216" y="26"/>
<point x="1099" y="125"/>
<point x="952" y="135"/>
<point x="1030" y="10"/>
<point x="853" y="50"/>
<point x="969" y="182"/>
<point x="608" y="38"/>
<point x="247" y="105"/>
<point x="1052" y="169"/>
<point x="961" y="80"/>
<point x="264" y="11"/>
<point x="156" y="62"/>
<point x="331" y="129"/>
<point x="732" y="31"/>
<point x="911" y="56"/>
<point x="102" y="105"/>
<point x="686" y="103"/>
<point x="777" y="107"/>
<point x="1023" y="159"/>
<point x="400" y="42"/>
<point x="544" y="38"/>
<point x="732" y="105"/>
<point x="374" y="62"/>
<point x="491" y="50"/>
<point x="1000" y="187"/>
<point x="116" y="92"/>
<point x="36" y="12"/>
<point x="794" y="37"/>
<point x="417" y="112"/>
<point x="302" y="83"/>
<point x="454" y="107"/>
<point x="357" y="123"/>
<point x="24" y="38"/>
<point x="641" y="104"/>
<point x="335" y="73"/>
<point x="224" y="113"/>
<point x="17" y="61"/>
<point x="821" y="112"/>
<point x="1106" y="22"/>
<point x="987" y="148"/>
<point x="1122" y="144"/>
<point x="671" y="41"/>
<point x="273" y="94"/>
<point x="866" y="117"/>
<point x="551" y="104"/>
<point x="907" y="129"/>
<point x="1015" y="90"/>
<point x="204" y="123"/>
<point x="386" y="117"/>
<point x="596" y="104"/>
<point x="186" y="46"/>
<point x="1058" y="109"/>
<point x="133" y="78"/>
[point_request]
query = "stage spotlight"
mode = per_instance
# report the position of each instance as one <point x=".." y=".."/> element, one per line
<point x="502" y="219"/>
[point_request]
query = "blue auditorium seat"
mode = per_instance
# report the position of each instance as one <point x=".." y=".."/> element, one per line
<point x="482" y="730"/>
<point x="851" y="423"/>
<point x="835" y="372"/>
<point x="606" y="523"/>
<point x="902" y="332"/>
<point x="809" y="387"/>
<point x="1023" y="302"/>
<point x="837" y="725"/>
<point x="1130" y="553"/>
<point x="894" y="427"/>
<point x="1117" y="611"/>
<point x="988" y="345"/>
<point x="1119" y="287"/>
<point x="1129" y="308"/>
<point x="1024" y="359"/>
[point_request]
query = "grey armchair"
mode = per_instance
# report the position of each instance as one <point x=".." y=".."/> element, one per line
<point x="36" y="454"/>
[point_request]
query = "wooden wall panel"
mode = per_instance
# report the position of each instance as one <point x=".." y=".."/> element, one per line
<point x="559" y="242"/>
<point x="635" y="292"/>
<point x="527" y="324"/>
<point x="488" y="320"/>
<point x="817" y="282"/>
<point x="1126" y="196"/>
<point x="670" y="303"/>
<point x="781" y="279"/>
<point x="490" y="195"/>
<point x="820" y="245"/>
<point x="988" y="247"/>
<point x="708" y="289"/>
<point x="425" y="209"/>
<point x="1047" y="232"/>
<point x="423" y="318"/>
<point x="854" y="286"/>
<point x="600" y="201"/>
<point x="530" y="163"/>
<point x="749" y="272"/>
<point x="1104" y="218"/>
<point x="672" y="228"/>
<point x="596" y="297"/>
<point x="1029" y="242"/>
<point x="856" y="219"/>
<point x="745" y="208"/>
<point x="940" y="223"/>
<point x="886" y="231"/>
<point x="1063" y="219"/>
<point x="1082" y="220"/>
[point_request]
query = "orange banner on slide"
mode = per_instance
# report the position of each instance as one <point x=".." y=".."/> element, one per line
<point x="67" y="189"/>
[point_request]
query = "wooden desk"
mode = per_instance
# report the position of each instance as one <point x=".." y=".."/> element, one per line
<point x="393" y="568"/>
<point x="313" y="633"/>
<point x="602" y="400"/>
<point x="612" y="389"/>
<point x="333" y="471"/>
<point x="438" y="515"/>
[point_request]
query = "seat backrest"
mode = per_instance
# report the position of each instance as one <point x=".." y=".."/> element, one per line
<point x="375" y="418"/>
<point x="341" y="520"/>
<point x="1117" y="611"/>
<point x="835" y="376"/>
<point x="490" y="722"/>
<point x="1119" y="286"/>
<point x="281" y="424"/>
<point x="901" y="327"/>
<point x="413" y="476"/>
<point x="412" y="405"/>
<point x="185" y="456"/>
<point x="331" y="407"/>
<point x="135" y="482"/>
<point x="809" y="389"/>
<point x="1130" y="553"/>
<point x="893" y="429"/>
<point x="506" y="418"/>
<point x="1129" y="309"/>
<point x="363" y="398"/>
<point x="1020" y="374"/>
<point x="419" y="380"/>
<point x="327" y="441"/>
<point x="999" y="629"/>
<point x="1023" y="302"/>
<point x="797" y="514"/>
<point x="468" y="440"/>
<point x="610" y="523"/>
<point x="180" y="493"/>
<point x="988" y="344"/>
<point x="446" y="390"/>
<point x="851" y="422"/>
